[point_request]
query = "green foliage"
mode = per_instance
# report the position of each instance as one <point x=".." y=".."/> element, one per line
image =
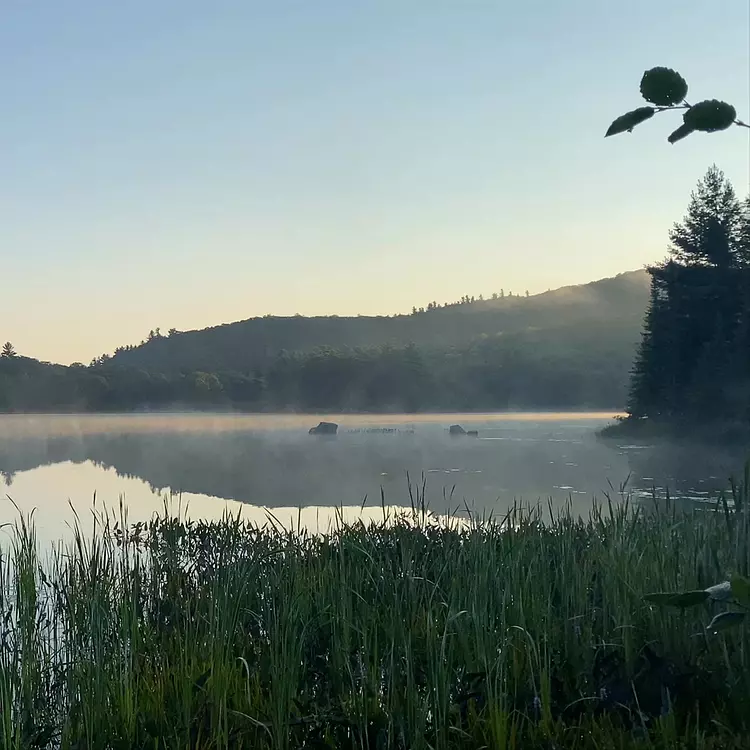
<point x="740" y="587"/>
<point x="667" y="89"/>
<point x="681" y="600"/>
<point x="663" y="86"/>
<point x="693" y="363"/>
<point x="8" y="350"/>
<point x="505" y="372"/>
<point x="736" y="592"/>
<point x="626" y="123"/>
<point x="710" y="116"/>
<point x="682" y="132"/>
<point x="246" y="346"/>
<point x="406" y="633"/>
<point x="725" y="620"/>
<point x="571" y="353"/>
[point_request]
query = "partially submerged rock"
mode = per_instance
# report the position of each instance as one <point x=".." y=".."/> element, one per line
<point x="456" y="431"/>
<point x="324" y="428"/>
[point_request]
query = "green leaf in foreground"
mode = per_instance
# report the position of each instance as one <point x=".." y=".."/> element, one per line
<point x="663" y="86"/>
<point x="680" y="600"/>
<point x="682" y="132"/>
<point x="721" y="592"/>
<point x="625" y="123"/>
<point x="710" y="115"/>
<point x="725" y="620"/>
<point x="741" y="590"/>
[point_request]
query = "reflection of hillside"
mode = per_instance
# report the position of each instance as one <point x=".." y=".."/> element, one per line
<point x="26" y="453"/>
<point x="287" y="468"/>
<point x="686" y="469"/>
<point x="242" y="466"/>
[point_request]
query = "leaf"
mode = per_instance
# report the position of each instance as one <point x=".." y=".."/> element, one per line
<point x="682" y="132"/>
<point x="200" y="683"/>
<point x="626" y="123"/>
<point x="680" y="600"/>
<point x="43" y="737"/>
<point x="710" y="116"/>
<point x="721" y="592"/>
<point x="663" y="86"/>
<point x="725" y="620"/>
<point x="741" y="589"/>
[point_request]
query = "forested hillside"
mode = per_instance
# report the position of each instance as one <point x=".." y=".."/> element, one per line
<point x="567" y="349"/>
<point x="578" y="312"/>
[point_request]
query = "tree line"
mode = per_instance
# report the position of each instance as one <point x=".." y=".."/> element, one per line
<point x="531" y="371"/>
<point x="467" y="299"/>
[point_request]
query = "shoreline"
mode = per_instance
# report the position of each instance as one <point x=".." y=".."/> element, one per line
<point x="720" y="432"/>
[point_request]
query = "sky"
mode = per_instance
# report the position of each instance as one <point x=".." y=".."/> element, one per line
<point x="179" y="163"/>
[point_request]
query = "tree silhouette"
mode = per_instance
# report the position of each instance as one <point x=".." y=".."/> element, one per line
<point x="667" y="90"/>
<point x="712" y="231"/>
<point x="8" y="350"/>
<point x="693" y="358"/>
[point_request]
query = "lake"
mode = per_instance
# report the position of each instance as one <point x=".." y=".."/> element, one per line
<point x="265" y="465"/>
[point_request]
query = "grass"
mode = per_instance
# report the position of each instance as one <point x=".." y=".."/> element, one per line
<point x="411" y="633"/>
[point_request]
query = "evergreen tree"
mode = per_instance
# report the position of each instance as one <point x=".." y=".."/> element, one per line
<point x="698" y="312"/>
<point x="743" y="240"/>
<point x="8" y="350"/>
<point x="711" y="233"/>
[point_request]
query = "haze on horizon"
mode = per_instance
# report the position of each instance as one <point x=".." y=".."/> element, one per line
<point x="185" y="164"/>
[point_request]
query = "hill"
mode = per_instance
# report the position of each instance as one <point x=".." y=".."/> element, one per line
<point x="567" y="349"/>
<point x="611" y="308"/>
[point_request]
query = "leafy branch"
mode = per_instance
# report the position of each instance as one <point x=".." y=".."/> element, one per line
<point x="735" y="592"/>
<point x="666" y="89"/>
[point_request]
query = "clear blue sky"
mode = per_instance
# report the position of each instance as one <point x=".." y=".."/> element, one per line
<point x="187" y="163"/>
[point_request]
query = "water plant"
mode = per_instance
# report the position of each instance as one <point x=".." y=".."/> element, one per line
<point x="528" y="631"/>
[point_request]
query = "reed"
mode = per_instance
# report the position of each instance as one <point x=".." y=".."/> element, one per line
<point x="414" y="632"/>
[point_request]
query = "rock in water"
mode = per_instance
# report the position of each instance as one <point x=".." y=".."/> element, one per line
<point x="456" y="429"/>
<point x="473" y="433"/>
<point x="324" y="428"/>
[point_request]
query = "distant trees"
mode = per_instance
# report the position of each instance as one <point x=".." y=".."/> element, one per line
<point x="466" y="299"/>
<point x="509" y="371"/>
<point x="694" y="358"/>
<point x="7" y="350"/>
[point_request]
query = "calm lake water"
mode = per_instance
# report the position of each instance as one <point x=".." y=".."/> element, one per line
<point x="263" y="464"/>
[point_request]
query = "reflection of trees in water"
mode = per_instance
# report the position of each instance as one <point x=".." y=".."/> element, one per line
<point x="250" y="467"/>
<point x="284" y="468"/>
<point x="8" y="477"/>
<point x="691" y="469"/>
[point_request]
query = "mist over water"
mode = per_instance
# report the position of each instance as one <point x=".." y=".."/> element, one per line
<point x="270" y="463"/>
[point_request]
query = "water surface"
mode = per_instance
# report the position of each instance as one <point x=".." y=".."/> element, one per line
<point x="269" y="464"/>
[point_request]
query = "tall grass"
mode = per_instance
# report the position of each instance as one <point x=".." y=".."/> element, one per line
<point x="411" y="633"/>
